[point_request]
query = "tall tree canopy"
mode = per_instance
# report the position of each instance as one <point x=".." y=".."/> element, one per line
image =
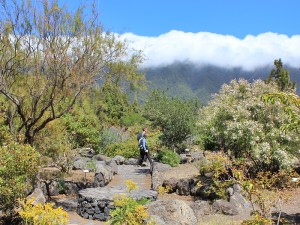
<point x="281" y="76"/>
<point x="48" y="56"/>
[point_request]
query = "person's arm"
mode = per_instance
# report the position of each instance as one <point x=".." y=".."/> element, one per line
<point x="145" y="145"/>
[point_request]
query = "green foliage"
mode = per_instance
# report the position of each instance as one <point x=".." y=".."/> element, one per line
<point x="132" y="118"/>
<point x="5" y="135"/>
<point x="44" y="83"/>
<point x="258" y="219"/>
<point x="168" y="157"/>
<point x="55" y="142"/>
<point x="175" y="117"/>
<point x="115" y="102"/>
<point x="109" y="136"/>
<point x="292" y="106"/>
<point x="128" y="211"/>
<point x="84" y="130"/>
<point x="281" y="76"/>
<point x="127" y="149"/>
<point x="18" y="167"/>
<point x="241" y="123"/>
<point x="217" y="164"/>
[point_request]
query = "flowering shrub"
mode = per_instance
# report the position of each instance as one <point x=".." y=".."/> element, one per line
<point x="244" y="126"/>
<point x="39" y="214"/>
<point x="128" y="210"/>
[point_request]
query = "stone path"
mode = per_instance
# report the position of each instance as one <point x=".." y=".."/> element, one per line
<point x="140" y="175"/>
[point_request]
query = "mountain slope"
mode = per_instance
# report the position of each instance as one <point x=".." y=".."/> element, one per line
<point x="186" y="80"/>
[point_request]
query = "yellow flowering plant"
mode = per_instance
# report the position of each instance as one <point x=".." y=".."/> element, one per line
<point x="40" y="214"/>
<point x="128" y="211"/>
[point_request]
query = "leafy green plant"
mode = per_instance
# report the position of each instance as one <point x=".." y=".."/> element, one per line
<point x="128" y="211"/>
<point x="258" y="219"/>
<point x="175" y="117"/>
<point x="90" y="165"/>
<point x="109" y="136"/>
<point x="216" y="163"/>
<point x="132" y="118"/>
<point x="168" y="157"/>
<point x="18" y="167"/>
<point x="61" y="186"/>
<point x="84" y="130"/>
<point x="128" y="149"/>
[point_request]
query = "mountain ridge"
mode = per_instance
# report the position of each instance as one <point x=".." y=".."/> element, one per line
<point x="187" y="80"/>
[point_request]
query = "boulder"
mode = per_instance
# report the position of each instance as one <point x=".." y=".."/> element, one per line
<point x="172" y="211"/>
<point x="119" y="159"/>
<point x="239" y="201"/>
<point x="224" y="207"/>
<point x="201" y="208"/>
<point x="183" y="186"/>
<point x="113" y="164"/>
<point x="103" y="174"/>
<point x="130" y="161"/>
<point x="38" y="196"/>
<point x="170" y="184"/>
<point x="100" y="157"/>
<point x="80" y="162"/>
<point x="86" y="152"/>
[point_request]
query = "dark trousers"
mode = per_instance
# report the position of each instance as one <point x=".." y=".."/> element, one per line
<point x="143" y="156"/>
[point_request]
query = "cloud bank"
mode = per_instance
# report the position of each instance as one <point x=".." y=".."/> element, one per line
<point x="221" y="50"/>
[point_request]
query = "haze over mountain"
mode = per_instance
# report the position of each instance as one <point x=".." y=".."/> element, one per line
<point x="197" y="64"/>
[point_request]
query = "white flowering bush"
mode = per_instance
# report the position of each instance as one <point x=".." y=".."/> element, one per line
<point x="239" y="122"/>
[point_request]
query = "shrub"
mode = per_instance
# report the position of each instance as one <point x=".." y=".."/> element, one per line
<point x="18" y="167"/>
<point x="54" y="142"/>
<point x="258" y="219"/>
<point x="132" y="118"/>
<point x="175" y="117"/>
<point x="128" y="210"/>
<point x="168" y="157"/>
<point x="216" y="163"/>
<point x="241" y="123"/>
<point x="109" y="137"/>
<point x="39" y="214"/>
<point x="84" y="130"/>
<point x="127" y="149"/>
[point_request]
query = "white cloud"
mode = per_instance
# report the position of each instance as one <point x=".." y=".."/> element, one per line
<point x="221" y="50"/>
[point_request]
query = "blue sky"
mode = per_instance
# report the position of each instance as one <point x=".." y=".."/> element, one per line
<point x="250" y="33"/>
<point x="234" y="17"/>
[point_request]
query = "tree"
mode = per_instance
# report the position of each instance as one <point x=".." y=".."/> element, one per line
<point x="175" y="117"/>
<point x="48" y="56"/>
<point x="281" y="76"/>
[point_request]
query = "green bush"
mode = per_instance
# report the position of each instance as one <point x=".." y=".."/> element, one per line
<point x="18" y="166"/>
<point x="84" y="130"/>
<point x="127" y="149"/>
<point x="110" y="136"/>
<point x="175" y="117"/>
<point x="132" y="118"/>
<point x="168" y="157"/>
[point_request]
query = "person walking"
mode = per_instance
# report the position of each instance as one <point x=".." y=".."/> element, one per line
<point x="144" y="150"/>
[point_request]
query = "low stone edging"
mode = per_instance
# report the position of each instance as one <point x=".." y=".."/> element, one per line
<point x="96" y="203"/>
